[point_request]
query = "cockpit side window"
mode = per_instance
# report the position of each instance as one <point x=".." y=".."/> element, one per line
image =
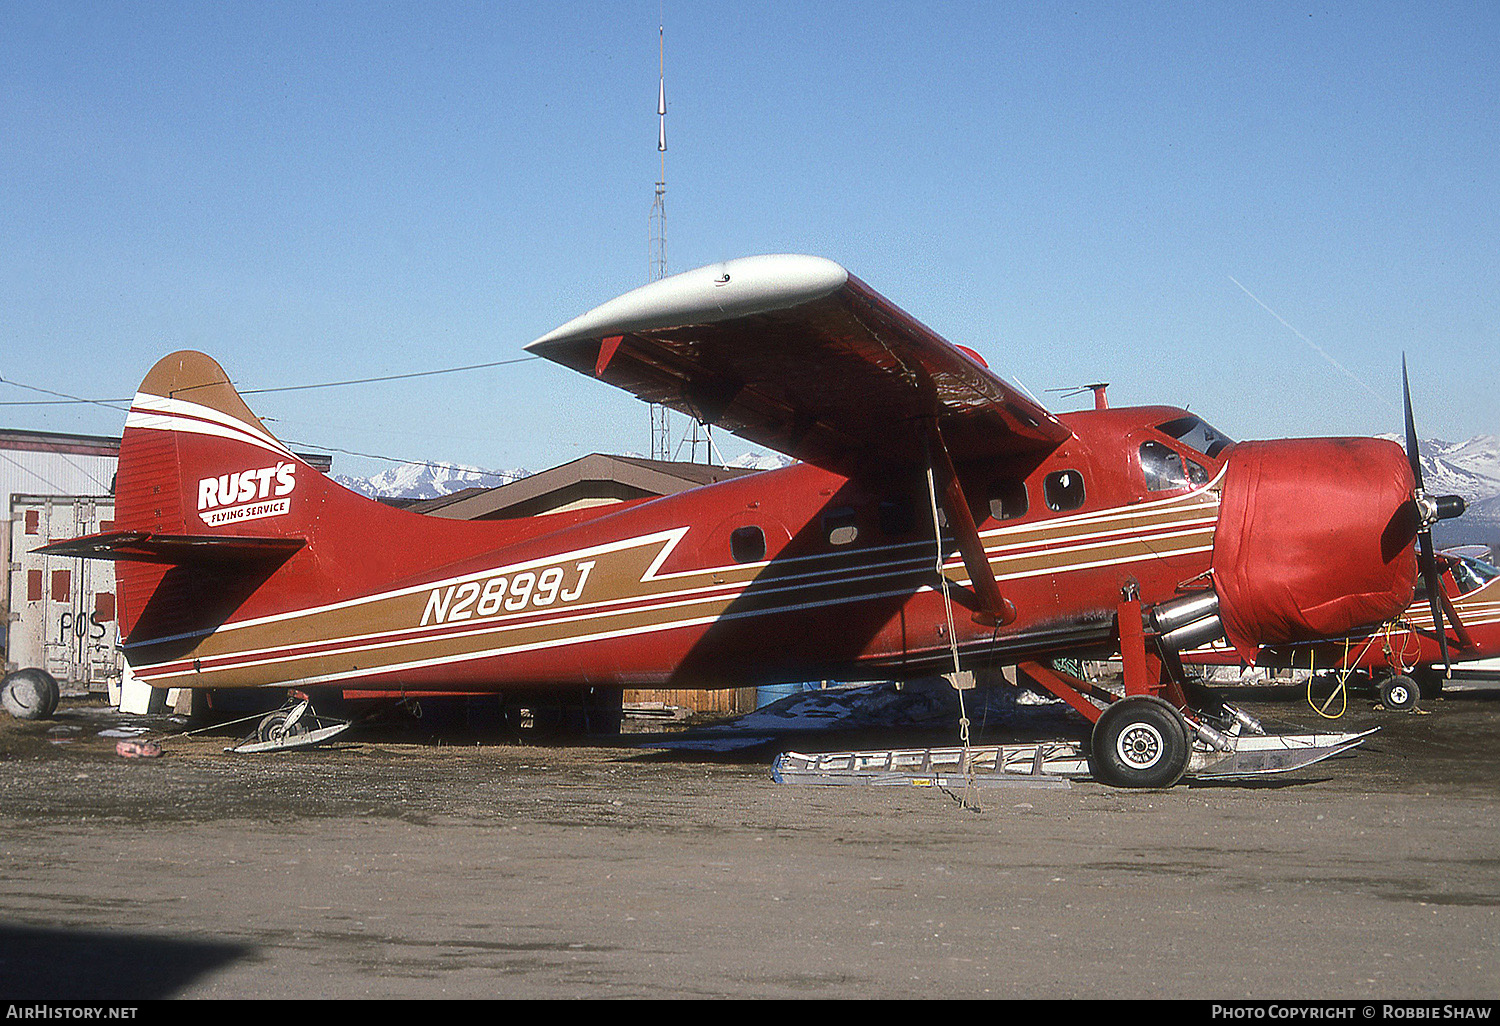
<point x="1471" y="574"/>
<point x="1162" y="466"/>
<point x="1191" y="431"/>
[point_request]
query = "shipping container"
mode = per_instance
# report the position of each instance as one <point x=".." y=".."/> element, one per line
<point x="62" y="609"/>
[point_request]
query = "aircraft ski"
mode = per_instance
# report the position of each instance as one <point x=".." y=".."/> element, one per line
<point x="294" y="727"/>
<point x="1050" y="763"/>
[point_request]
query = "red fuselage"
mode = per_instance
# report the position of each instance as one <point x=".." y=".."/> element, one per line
<point x="787" y="575"/>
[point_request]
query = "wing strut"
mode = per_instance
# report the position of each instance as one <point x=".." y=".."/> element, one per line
<point x="993" y="609"/>
<point x="1464" y="639"/>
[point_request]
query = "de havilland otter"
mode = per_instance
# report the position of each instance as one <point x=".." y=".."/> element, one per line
<point x="1138" y="531"/>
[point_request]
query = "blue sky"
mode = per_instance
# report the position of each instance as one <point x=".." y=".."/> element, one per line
<point x="1249" y="209"/>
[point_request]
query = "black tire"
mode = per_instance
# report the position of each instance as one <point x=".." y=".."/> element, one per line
<point x="29" y="694"/>
<point x="1139" y="741"/>
<point x="1399" y="693"/>
<point x="273" y="727"/>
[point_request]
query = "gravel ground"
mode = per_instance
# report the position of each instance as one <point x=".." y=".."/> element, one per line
<point x="419" y="865"/>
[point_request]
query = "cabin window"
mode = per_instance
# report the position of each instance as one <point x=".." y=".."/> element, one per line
<point x="898" y="517"/>
<point x="839" y="526"/>
<point x="1063" y="490"/>
<point x="1162" y="466"/>
<point x="1196" y="474"/>
<point x="1008" y="500"/>
<point x="747" y="544"/>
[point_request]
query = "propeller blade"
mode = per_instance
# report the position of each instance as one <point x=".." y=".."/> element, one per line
<point x="1427" y="564"/>
<point x="1411" y="428"/>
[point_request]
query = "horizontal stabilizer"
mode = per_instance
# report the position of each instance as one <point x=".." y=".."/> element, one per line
<point x="175" y="549"/>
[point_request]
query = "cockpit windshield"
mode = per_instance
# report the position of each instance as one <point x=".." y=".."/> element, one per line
<point x="1471" y="574"/>
<point x="1192" y="431"/>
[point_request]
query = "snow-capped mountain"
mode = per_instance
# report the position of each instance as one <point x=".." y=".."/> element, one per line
<point x="430" y="480"/>
<point x="427" y="480"/>
<point x="1470" y="469"/>
<point x="762" y="461"/>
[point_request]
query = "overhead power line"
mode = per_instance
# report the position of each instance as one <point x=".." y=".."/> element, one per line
<point x="122" y="406"/>
<point x="67" y="399"/>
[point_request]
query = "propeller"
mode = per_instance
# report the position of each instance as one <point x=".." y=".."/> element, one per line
<point x="1429" y="511"/>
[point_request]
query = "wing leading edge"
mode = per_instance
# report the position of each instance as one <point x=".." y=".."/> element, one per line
<point x="795" y="353"/>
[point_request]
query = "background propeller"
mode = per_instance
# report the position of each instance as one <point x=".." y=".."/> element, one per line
<point x="1429" y="511"/>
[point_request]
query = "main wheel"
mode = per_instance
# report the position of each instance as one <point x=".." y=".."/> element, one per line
<point x="1399" y="693"/>
<point x="1139" y="741"/>
<point x="274" y="727"/>
<point x="29" y="694"/>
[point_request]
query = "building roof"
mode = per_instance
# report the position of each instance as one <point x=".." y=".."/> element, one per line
<point x="22" y="440"/>
<point x="26" y="440"/>
<point x="594" y="479"/>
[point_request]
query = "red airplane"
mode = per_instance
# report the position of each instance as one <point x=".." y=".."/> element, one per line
<point x="939" y="519"/>
<point x="1404" y="657"/>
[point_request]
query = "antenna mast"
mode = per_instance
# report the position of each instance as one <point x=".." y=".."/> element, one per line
<point x="660" y="432"/>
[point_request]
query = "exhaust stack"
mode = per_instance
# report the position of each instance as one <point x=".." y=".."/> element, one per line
<point x="1187" y="622"/>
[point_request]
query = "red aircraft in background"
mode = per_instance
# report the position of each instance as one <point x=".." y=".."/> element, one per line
<point x="1404" y="657"/>
<point x="938" y="520"/>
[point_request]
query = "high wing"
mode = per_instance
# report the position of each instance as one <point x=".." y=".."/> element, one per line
<point x="795" y="353"/>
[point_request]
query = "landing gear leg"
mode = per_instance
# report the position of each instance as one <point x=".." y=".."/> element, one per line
<point x="285" y="723"/>
<point x="1166" y="725"/>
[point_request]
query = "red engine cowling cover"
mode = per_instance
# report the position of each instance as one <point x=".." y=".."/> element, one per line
<point x="1315" y="539"/>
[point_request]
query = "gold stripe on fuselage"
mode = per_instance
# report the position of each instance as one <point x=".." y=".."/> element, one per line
<point x="617" y="589"/>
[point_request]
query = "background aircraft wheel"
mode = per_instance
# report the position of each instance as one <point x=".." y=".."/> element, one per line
<point x="1140" y="741"/>
<point x="1399" y="693"/>
<point x="274" y="728"/>
<point x="29" y="694"/>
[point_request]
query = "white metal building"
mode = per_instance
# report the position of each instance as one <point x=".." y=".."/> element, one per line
<point x="43" y="463"/>
<point x="62" y="609"/>
<point x="57" y="613"/>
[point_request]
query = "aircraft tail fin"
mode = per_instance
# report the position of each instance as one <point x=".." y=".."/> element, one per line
<point x="225" y="538"/>
<point x="194" y="459"/>
<point x="208" y="503"/>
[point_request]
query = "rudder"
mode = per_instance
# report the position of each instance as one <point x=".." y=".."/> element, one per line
<point x="194" y="457"/>
<point x="199" y="469"/>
